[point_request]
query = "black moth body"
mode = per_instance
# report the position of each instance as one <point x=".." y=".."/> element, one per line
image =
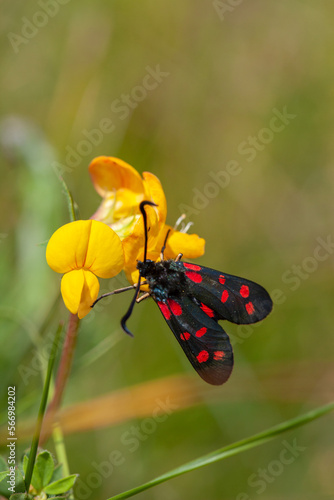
<point x="192" y="299"/>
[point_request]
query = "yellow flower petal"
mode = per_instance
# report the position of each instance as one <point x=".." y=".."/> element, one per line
<point x="109" y="174"/>
<point x="79" y="289"/>
<point x="85" y="244"/>
<point x="122" y="190"/>
<point x="154" y="192"/>
<point x="67" y="247"/>
<point x="190" y="245"/>
<point x="105" y="256"/>
<point x="121" y="187"/>
<point x="126" y="203"/>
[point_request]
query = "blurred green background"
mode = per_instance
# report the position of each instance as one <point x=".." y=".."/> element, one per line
<point x="227" y="69"/>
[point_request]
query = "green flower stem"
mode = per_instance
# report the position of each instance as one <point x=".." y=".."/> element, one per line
<point x="58" y="439"/>
<point x="57" y="434"/>
<point x="59" y="442"/>
<point x="230" y="450"/>
<point x="63" y="371"/>
<point x="35" y="440"/>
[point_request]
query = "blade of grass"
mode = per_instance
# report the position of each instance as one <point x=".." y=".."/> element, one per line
<point x="64" y="369"/>
<point x="230" y="450"/>
<point x="58" y="439"/>
<point x="69" y="198"/>
<point x="99" y="350"/>
<point x="35" y="440"/>
<point x="59" y="442"/>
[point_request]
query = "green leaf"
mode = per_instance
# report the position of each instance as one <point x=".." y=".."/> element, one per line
<point x="3" y="464"/>
<point x="3" y="475"/>
<point x="25" y="463"/>
<point x="21" y="496"/>
<point x="57" y="473"/>
<point x="19" y="484"/>
<point x="35" y="439"/>
<point x="61" y="485"/>
<point x="4" y="491"/>
<point x="43" y="470"/>
<point x="19" y="481"/>
<point x="230" y="450"/>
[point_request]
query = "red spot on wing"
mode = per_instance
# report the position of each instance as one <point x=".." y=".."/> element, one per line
<point x="224" y="296"/>
<point x="175" y="307"/>
<point x="185" y="336"/>
<point x="222" y="279"/>
<point x="202" y="331"/>
<point x="195" y="277"/>
<point x="193" y="267"/>
<point x="207" y="310"/>
<point x="244" y="291"/>
<point x="165" y="311"/>
<point x="203" y="356"/>
<point x="250" y="308"/>
<point x="217" y="355"/>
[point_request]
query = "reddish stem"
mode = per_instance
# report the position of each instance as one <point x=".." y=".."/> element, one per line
<point x="63" y="373"/>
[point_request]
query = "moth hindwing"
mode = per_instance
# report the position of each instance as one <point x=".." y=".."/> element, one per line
<point x="192" y="299"/>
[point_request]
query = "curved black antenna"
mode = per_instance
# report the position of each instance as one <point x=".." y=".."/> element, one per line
<point x="129" y="311"/>
<point x="141" y="208"/>
<point x="133" y="301"/>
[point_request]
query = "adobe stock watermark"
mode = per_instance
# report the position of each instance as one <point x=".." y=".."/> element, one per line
<point x="223" y="7"/>
<point x="121" y="109"/>
<point x="249" y="148"/>
<point x="293" y="279"/>
<point x="129" y="442"/>
<point x="298" y="273"/>
<point x="30" y="27"/>
<point x="260" y="479"/>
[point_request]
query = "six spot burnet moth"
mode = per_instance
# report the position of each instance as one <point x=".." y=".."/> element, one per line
<point x="192" y="299"/>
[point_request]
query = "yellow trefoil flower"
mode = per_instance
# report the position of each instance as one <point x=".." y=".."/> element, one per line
<point x="83" y="250"/>
<point x="122" y="189"/>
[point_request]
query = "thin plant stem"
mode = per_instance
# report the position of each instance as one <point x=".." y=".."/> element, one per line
<point x="65" y="364"/>
<point x="58" y="439"/>
<point x="41" y="412"/>
<point x="230" y="450"/>
<point x="63" y="373"/>
<point x="57" y="433"/>
<point x="59" y="442"/>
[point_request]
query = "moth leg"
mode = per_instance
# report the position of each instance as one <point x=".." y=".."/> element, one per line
<point x="179" y="257"/>
<point x="143" y="297"/>
<point x="164" y="246"/>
